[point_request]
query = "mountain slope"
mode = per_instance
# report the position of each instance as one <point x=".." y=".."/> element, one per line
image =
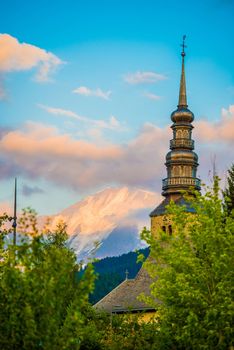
<point x="113" y="217"/>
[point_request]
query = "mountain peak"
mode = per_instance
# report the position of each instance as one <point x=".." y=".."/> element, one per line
<point x="97" y="216"/>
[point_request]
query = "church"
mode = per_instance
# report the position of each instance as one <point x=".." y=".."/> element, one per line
<point x="181" y="165"/>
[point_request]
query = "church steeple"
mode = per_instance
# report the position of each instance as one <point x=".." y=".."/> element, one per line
<point x="181" y="161"/>
<point x="182" y="95"/>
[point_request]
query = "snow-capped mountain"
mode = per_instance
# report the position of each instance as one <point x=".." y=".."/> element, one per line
<point x="113" y="217"/>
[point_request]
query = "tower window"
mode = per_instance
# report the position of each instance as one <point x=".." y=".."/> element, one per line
<point x="164" y="228"/>
<point x="185" y="134"/>
<point x="179" y="134"/>
<point x="170" y="230"/>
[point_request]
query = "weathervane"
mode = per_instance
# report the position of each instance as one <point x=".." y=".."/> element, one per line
<point x="183" y="46"/>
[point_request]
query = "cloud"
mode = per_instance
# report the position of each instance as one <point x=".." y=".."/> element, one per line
<point x="16" y="56"/>
<point x="37" y="151"/>
<point x="143" y="78"/>
<point x="63" y="112"/>
<point x="6" y="207"/>
<point x="37" y="138"/>
<point x="220" y="131"/>
<point x="28" y="191"/>
<point x="83" y="90"/>
<point x="152" y="96"/>
<point x="111" y="124"/>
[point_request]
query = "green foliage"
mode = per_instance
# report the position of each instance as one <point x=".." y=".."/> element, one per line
<point x="228" y="193"/>
<point x="41" y="301"/>
<point x="126" y="332"/>
<point x="27" y="223"/>
<point x="194" y="277"/>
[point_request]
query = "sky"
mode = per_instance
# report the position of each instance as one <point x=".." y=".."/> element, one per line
<point x="87" y="89"/>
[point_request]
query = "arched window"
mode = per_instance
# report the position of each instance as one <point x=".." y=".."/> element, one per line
<point x="164" y="228"/>
<point x="176" y="171"/>
<point x="181" y="170"/>
<point x="179" y="134"/>
<point x="170" y="230"/>
<point x="185" y="134"/>
<point x="188" y="171"/>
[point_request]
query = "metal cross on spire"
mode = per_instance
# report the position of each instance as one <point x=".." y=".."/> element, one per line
<point x="183" y="46"/>
<point x="182" y="95"/>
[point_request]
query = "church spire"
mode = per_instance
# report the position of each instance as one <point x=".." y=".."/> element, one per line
<point x="182" y="96"/>
<point x="181" y="161"/>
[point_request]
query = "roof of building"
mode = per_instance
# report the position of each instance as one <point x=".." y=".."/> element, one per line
<point x="161" y="209"/>
<point x="125" y="296"/>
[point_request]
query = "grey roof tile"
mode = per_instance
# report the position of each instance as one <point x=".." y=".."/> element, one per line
<point x="161" y="208"/>
<point x="125" y="296"/>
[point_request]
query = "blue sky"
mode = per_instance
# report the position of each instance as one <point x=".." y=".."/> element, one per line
<point x="86" y="101"/>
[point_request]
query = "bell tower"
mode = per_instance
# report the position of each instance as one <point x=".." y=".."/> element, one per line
<point x="181" y="160"/>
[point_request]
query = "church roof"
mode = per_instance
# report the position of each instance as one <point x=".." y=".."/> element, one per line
<point x="125" y="296"/>
<point x="161" y="209"/>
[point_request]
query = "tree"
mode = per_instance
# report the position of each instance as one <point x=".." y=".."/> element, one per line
<point x="128" y="333"/>
<point x="44" y="297"/>
<point x="43" y="304"/>
<point x="228" y="193"/>
<point x="193" y="276"/>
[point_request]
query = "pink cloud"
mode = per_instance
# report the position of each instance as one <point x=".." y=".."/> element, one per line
<point x="5" y="207"/>
<point x="39" y="151"/>
<point x="16" y="56"/>
<point x="46" y="141"/>
<point x="220" y="131"/>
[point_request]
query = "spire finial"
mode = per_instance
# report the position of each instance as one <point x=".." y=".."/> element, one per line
<point x="183" y="46"/>
<point x="182" y="96"/>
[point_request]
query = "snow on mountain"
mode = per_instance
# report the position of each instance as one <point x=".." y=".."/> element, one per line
<point x="117" y="213"/>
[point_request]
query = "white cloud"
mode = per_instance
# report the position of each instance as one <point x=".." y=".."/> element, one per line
<point x="63" y="112"/>
<point x="114" y="121"/>
<point x="143" y="77"/>
<point x="111" y="124"/>
<point x="16" y="56"/>
<point x="83" y="90"/>
<point x="152" y="96"/>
